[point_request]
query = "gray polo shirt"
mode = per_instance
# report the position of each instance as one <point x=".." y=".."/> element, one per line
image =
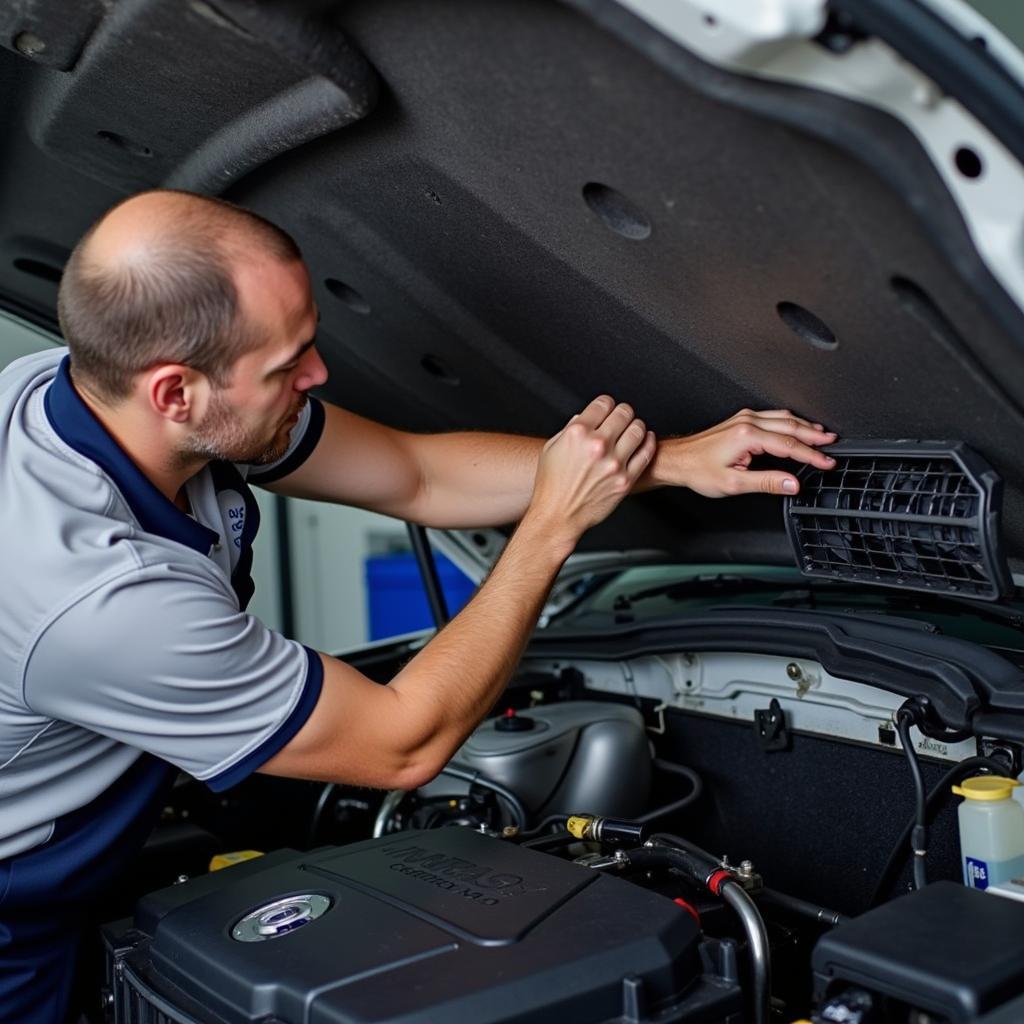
<point x="125" y="643"/>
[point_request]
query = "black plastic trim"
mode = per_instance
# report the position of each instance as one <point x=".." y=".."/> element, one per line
<point x="1000" y="724"/>
<point x="959" y="678"/>
<point x="910" y="515"/>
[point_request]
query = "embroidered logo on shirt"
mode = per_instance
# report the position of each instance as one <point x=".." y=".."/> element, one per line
<point x="232" y="510"/>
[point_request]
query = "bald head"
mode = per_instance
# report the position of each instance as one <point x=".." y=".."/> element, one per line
<point x="154" y="281"/>
<point x="139" y="230"/>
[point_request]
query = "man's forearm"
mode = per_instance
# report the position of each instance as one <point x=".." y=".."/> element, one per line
<point x="401" y="735"/>
<point x="474" y="479"/>
<point x="452" y="683"/>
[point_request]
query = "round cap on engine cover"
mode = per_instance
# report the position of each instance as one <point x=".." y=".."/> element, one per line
<point x="280" y="917"/>
<point x="986" y="787"/>
<point x="511" y="722"/>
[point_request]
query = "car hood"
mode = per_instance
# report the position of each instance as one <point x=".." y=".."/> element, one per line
<point x="509" y="207"/>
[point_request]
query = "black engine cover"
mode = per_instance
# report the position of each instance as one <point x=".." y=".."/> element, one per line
<point x="442" y="925"/>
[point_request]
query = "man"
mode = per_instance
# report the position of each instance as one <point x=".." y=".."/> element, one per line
<point x="128" y="525"/>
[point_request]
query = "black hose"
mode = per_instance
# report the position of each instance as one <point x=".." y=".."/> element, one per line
<point x="919" y="833"/>
<point x="696" y="788"/>
<point x="693" y="863"/>
<point x="545" y="824"/>
<point x="668" y="839"/>
<point x="937" y="793"/>
<point x="700" y="867"/>
<point x="802" y="908"/>
<point x="473" y="777"/>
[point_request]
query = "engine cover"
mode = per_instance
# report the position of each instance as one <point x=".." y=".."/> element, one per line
<point x="434" y="926"/>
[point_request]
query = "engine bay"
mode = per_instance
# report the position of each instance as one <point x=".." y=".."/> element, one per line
<point x="672" y="837"/>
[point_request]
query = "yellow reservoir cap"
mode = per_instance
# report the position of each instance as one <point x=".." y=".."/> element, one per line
<point x="986" y="787"/>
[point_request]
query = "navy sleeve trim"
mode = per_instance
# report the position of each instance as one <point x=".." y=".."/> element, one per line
<point x="303" y="450"/>
<point x="289" y="727"/>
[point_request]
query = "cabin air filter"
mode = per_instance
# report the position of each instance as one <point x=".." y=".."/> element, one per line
<point x="921" y="515"/>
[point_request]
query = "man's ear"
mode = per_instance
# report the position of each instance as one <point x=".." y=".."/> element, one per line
<point x="177" y="392"/>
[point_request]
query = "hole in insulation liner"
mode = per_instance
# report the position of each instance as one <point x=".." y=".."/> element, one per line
<point x="120" y="142"/>
<point x="38" y="269"/>
<point x="436" y="368"/>
<point x="616" y="211"/>
<point x="347" y="294"/>
<point x="806" y="326"/>
<point x="968" y="163"/>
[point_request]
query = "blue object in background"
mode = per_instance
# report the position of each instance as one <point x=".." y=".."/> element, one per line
<point x="397" y="598"/>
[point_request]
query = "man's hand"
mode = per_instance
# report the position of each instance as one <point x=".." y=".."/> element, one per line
<point x="716" y="462"/>
<point x="587" y="468"/>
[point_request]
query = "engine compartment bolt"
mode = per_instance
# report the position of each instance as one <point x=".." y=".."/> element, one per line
<point x="746" y="869"/>
<point x="794" y="671"/>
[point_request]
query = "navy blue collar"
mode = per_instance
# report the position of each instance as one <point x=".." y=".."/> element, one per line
<point x="76" y="426"/>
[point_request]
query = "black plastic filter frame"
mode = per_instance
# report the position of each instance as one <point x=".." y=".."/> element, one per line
<point x="917" y="515"/>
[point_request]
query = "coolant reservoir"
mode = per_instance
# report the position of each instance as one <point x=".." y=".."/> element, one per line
<point x="991" y="831"/>
<point x="579" y="756"/>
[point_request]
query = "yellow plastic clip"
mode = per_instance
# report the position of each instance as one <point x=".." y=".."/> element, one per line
<point x="225" y="860"/>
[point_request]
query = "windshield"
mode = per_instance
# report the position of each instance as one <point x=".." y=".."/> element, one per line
<point x="658" y="592"/>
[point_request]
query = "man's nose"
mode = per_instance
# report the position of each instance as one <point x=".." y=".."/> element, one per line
<point x="313" y="371"/>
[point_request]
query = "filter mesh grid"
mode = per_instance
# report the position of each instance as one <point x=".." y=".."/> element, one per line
<point x="923" y="521"/>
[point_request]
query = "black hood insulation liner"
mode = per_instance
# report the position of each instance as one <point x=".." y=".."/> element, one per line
<point x="920" y="515"/>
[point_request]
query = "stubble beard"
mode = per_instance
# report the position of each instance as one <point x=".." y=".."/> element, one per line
<point x="220" y="437"/>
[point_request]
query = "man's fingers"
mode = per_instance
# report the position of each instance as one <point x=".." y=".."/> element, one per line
<point x="630" y="439"/>
<point x="757" y="418"/>
<point x="641" y="458"/>
<point x="786" y="446"/>
<point x="767" y="482"/>
<point x="795" y="428"/>
<point x="596" y="412"/>
<point x="616" y="422"/>
<point x="779" y="414"/>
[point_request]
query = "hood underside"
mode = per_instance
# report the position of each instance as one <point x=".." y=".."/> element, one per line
<point x="509" y="207"/>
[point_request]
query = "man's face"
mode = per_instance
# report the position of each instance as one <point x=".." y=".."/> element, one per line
<point x="251" y="418"/>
